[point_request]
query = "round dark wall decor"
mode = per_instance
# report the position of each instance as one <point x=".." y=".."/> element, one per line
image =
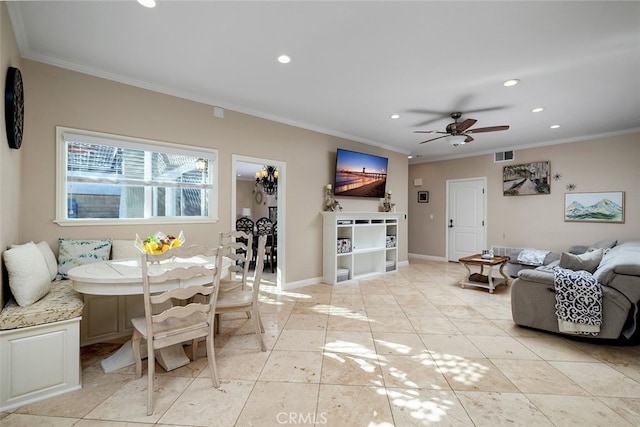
<point x="14" y="107"/>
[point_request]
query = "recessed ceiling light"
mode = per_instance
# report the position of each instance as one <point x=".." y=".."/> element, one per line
<point x="284" y="59"/>
<point x="394" y="116"/>
<point x="511" y="82"/>
<point x="148" y="3"/>
<point x="537" y="110"/>
<point x="555" y="126"/>
<point x="409" y="157"/>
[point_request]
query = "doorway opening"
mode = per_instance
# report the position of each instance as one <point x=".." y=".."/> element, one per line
<point x="250" y="200"/>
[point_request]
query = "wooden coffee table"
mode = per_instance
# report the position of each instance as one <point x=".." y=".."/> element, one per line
<point x="484" y="280"/>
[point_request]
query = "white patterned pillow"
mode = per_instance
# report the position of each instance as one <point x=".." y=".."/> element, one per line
<point x="73" y="253"/>
<point x="29" y="278"/>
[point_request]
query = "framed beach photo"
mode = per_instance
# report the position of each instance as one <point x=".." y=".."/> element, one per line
<point x="423" y="197"/>
<point x="605" y="206"/>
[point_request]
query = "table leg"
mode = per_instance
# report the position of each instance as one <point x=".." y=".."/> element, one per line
<point x="490" y="279"/>
<point x="468" y="274"/>
<point x="506" y="278"/>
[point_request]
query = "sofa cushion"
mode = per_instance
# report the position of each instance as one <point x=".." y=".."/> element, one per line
<point x="29" y="278"/>
<point x="603" y="244"/>
<point x="587" y="261"/>
<point x="74" y="253"/>
<point x="61" y="303"/>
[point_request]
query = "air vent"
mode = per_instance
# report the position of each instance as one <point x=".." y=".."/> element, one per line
<point x="503" y="156"/>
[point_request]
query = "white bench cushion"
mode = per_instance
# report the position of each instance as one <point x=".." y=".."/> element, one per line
<point x="61" y="303"/>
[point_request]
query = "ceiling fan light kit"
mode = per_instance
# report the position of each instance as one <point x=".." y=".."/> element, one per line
<point x="456" y="140"/>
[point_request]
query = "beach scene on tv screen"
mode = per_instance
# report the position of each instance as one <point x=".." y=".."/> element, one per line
<point x="360" y="175"/>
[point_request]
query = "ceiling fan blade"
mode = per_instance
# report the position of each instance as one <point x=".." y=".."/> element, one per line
<point x="430" y="131"/>
<point x="469" y="139"/>
<point x="466" y="124"/>
<point x="433" y="139"/>
<point x="488" y="129"/>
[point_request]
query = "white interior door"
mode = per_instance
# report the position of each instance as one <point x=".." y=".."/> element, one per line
<point x="466" y="212"/>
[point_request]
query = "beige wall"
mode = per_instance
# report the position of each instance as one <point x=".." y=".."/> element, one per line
<point x="10" y="159"/>
<point x="607" y="164"/>
<point x="58" y="97"/>
<point x="245" y="198"/>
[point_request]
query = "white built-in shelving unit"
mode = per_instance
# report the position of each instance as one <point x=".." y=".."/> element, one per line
<point x="358" y="245"/>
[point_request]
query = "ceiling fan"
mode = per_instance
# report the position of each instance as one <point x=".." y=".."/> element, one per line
<point x="459" y="132"/>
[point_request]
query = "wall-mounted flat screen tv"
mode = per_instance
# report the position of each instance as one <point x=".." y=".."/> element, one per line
<point x="360" y="174"/>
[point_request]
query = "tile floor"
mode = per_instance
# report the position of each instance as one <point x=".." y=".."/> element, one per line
<point x="405" y="349"/>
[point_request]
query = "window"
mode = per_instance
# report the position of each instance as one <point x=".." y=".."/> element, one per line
<point x="111" y="179"/>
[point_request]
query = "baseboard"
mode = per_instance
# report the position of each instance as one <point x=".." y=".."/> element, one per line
<point x="428" y="257"/>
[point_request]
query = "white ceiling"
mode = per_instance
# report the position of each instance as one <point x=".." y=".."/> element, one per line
<point x="356" y="63"/>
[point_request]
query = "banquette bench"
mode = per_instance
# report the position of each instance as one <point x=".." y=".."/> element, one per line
<point x="39" y="329"/>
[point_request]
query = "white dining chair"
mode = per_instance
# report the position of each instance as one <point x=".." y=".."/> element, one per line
<point x="180" y="314"/>
<point x="246" y="301"/>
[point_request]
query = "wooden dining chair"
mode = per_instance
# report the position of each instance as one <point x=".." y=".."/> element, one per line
<point x="271" y="248"/>
<point x="237" y="246"/>
<point x="184" y="312"/>
<point x="245" y="224"/>
<point x="246" y="301"/>
<point x="264" y="226"/>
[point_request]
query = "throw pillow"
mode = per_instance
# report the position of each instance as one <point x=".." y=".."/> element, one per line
<point x="49" y="258"/>
<point x="29" y="278"/>
<point x="74" y="253"/>
<point x="588" y="261"/>
<point x="124" y="249"/>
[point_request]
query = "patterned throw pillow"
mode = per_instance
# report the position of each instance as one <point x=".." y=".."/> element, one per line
<point x="73" y="253"/>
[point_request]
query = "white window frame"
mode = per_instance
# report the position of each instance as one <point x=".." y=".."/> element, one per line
<point x="129" y="142"/>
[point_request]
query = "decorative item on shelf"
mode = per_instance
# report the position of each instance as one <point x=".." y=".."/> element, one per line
<point x="267" y="179"/>
<point x="387" y="206"/>
<point x="391" y="241"/>
<point x="344" y="245"/>
<point x="159" y="243"/>
<point x="330" y="204"/>
<point x="571" y="186"/>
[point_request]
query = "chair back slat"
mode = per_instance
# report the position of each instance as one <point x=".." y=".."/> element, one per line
<point x="238" y="246"/>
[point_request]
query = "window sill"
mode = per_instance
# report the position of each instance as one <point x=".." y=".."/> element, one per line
<point x="133" y="221"/>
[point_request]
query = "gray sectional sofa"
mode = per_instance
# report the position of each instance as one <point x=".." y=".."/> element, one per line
<point x="533" y="294"/>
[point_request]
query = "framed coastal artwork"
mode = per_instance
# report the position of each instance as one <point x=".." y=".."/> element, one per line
<point x="526" y="179"/>
<point x="605" y="206"/>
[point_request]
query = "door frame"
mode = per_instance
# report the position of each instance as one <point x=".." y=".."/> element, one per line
<point x="447" y="214"/>
<point x="282" y="212"/>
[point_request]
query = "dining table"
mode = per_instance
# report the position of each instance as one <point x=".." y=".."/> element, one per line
<point x="124" y="277"/>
